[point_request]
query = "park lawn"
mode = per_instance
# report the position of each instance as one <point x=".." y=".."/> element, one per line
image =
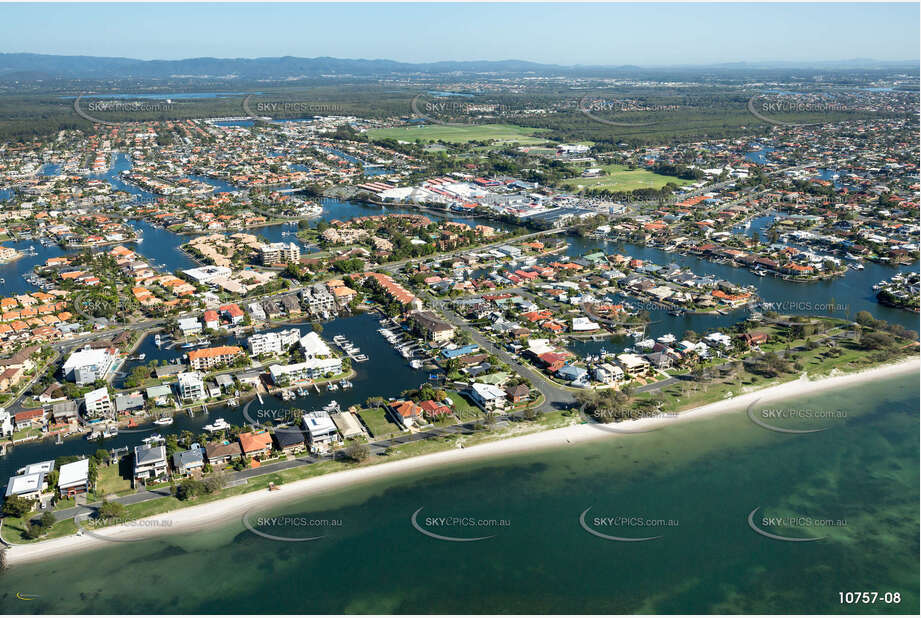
<point x="620" y="178"/>
<point x="379" y="423"/>
<point x="461" y="134"/>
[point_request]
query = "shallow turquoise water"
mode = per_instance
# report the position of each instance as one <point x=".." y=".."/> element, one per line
<point x="704" y="476"/>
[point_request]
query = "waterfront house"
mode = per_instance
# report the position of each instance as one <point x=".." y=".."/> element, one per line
<point x="633" y="364"/>
<point x="220" y="453"/>
<point x="149" y="463"/>
<point x="191" y="386"/>
<point x="572" y="373"/>
<point x="28" y="419"/>
<point x="256" y="443"/>
<point x="189" y="326"/>
<point x="187" y="462"/>
<point x="320" y="428"/>
<point x="433" y="410"/>
<point x="73" y="478"/>
<point x="347" y="424"/>
<point x="29" y="485"/>
<point x="487" y="396"/>
<point x="159" y="394"/>
<point x="407" y="413"/>
<point x="290" y="440"/>
<point x="606" y="373"/>
<point x="97" y="404"/>
<point x="65" y="412"/>
<point x="129" y="403"/>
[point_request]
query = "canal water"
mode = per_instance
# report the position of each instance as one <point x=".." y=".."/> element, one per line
<point x="384" y="374"/>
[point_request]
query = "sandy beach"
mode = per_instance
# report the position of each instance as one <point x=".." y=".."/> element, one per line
<point x="207" y="515"/>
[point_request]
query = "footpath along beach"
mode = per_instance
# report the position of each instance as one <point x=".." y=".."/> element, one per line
<point x="194" y="518"/>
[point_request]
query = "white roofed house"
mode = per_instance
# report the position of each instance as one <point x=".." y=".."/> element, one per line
<point x="98" y="404"/>
<point x="488" y="396"/>
<point x="191" y="386"/>
<point x="30" y="481"/>
<point x="189" y="326"/>
<point x="74" y="478"/>
<point x="320" y="428"/>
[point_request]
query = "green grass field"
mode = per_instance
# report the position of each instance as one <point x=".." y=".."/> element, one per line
<point x="619" y="178"/>
<point x="462" y="134"/>
<point x="379" y="423"/>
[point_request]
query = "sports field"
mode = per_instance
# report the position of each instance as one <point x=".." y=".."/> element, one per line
<point x="620" y="178"/>
<point x="461" y="134"/>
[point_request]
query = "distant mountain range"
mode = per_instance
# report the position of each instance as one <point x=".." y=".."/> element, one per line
<point x="35" y="66"/>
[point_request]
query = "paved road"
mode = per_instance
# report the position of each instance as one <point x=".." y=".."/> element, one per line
<point x="555" y="397"/>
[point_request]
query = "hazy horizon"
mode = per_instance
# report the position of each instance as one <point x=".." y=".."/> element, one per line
<point x="647" y="35"/>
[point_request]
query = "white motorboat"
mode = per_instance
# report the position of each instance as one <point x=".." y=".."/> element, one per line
<point x="164" y="420"/>
<point x="217" y="425"/>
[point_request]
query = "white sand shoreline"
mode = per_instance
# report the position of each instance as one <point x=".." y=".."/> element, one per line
<point x="206" y="515"/>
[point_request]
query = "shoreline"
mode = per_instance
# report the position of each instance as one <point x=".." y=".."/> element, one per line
<point x="196" y="517"/>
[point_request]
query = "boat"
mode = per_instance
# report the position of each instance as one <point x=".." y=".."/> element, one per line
<point x="164" y="420"/>
<point x="287" y="395"/>
<point x="217" y="425"/>
<point x="666" y="339"/>
<point x="646" y="344"/>
<point x="301" y="392"/>
<point x="415" y="363"/>
<point x="344" y="384"/>
<point x="154" y="439"/>
<point x="332" y="386"/>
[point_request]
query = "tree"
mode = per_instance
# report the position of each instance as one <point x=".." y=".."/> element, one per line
<point x="16" y="506"/>
<point x="110" y="510"/>
<point x="357" y="451"/>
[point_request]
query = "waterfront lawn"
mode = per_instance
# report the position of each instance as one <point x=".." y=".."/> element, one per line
<point x="461" y="134"/>
<point x="621" y="178"/>
<point x="110" y="480"/>
<point x="378" y="422"/>
<point x="463" y="409"/>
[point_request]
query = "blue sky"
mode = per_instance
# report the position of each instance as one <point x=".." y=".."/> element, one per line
<point x="607" y="34"/>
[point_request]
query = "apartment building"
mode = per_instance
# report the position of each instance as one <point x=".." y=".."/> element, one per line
<point x="280" y="253"/>
<point x="89" y="364"/>
<point x="273" y="343"/>
<point x="207" y="358"/>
